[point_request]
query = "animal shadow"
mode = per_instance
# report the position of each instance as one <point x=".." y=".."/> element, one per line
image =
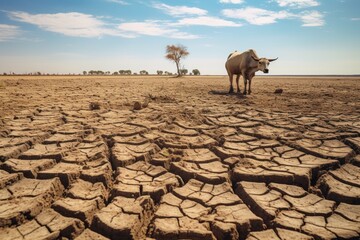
<point x="226" y="93"/>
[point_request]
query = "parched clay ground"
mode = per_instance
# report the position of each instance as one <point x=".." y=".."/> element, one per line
<point x="177" y="158"/>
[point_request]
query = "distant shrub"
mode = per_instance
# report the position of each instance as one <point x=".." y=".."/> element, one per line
<point x="196" y="71"/>
<point x="184" y="71"/>
<point x="125" y="72"/>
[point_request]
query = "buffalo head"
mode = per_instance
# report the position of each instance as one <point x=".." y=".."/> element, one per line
<point x="263" y="63"/>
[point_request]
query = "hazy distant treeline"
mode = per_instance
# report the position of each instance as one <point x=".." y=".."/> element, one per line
<point x="100" y="73"/>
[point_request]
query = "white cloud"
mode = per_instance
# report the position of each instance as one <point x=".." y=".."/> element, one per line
<point x="355" y="19"/>
<point x="154" y="28"/>
<point x="70" y="24"/>
<point x="297" y="3"/>
<point x="232" y="1"/>
<point x="312" y="19"/>
<point x="180" y="10"/>
<point x="8" y="32"/>
<point x="118" y="2"/>
<point x="207" y="21"/>
<point x="194" y="16"/>
<point x="84" y="25"/>
<point x="256" y="16"/>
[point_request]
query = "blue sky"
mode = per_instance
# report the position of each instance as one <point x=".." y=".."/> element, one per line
<point x="69" y="36"/>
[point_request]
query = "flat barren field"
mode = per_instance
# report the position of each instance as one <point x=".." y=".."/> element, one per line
<point x="156" y="157"/>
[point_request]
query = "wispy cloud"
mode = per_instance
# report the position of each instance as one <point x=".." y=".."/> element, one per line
<point x="155" y="28"/>
<point x="208" y="21"/>
<point x="118" y="2"/>
<point x="84" y="25"/>
<point x="70" y="24"/>
<point x="312" y="19"/>
<point x="297" y="3"/>
<point x="8" y="32"/>
<point x="232" y="1"/>
<point x="179" y="11"/>
<point x="191" y="16"/>
<point x="355" y="19"/>
<point x="256" y="16"/>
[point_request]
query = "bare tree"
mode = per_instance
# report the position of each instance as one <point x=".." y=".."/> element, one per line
<point x="176" y="53"/>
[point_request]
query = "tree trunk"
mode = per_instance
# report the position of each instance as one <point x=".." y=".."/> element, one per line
<point x="178" y="69"/>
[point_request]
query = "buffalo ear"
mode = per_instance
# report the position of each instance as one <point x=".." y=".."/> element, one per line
<point x="256" y="59"/>
<point x="270" y="60"/>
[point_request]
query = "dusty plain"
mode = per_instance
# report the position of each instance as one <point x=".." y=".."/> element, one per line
<point x="157" y="157"/>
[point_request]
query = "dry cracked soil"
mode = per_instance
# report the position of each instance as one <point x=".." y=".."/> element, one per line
<point x="86" y="157"/>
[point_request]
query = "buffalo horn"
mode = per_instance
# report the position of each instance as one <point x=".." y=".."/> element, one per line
<point x="270" y="60"/>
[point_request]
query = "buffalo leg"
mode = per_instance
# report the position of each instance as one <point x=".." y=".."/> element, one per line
<point x="231" y="83"/>
<point x="249" y="91"/>
<point x="250" y="79"/>
<point x="245" y="82"/>
<point x="237" y="82"/>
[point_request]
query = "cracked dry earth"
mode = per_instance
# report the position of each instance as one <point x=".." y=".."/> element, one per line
<point x="188" y="165"/>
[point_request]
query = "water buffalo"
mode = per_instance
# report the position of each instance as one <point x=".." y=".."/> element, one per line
<point x="245" y="64"/>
